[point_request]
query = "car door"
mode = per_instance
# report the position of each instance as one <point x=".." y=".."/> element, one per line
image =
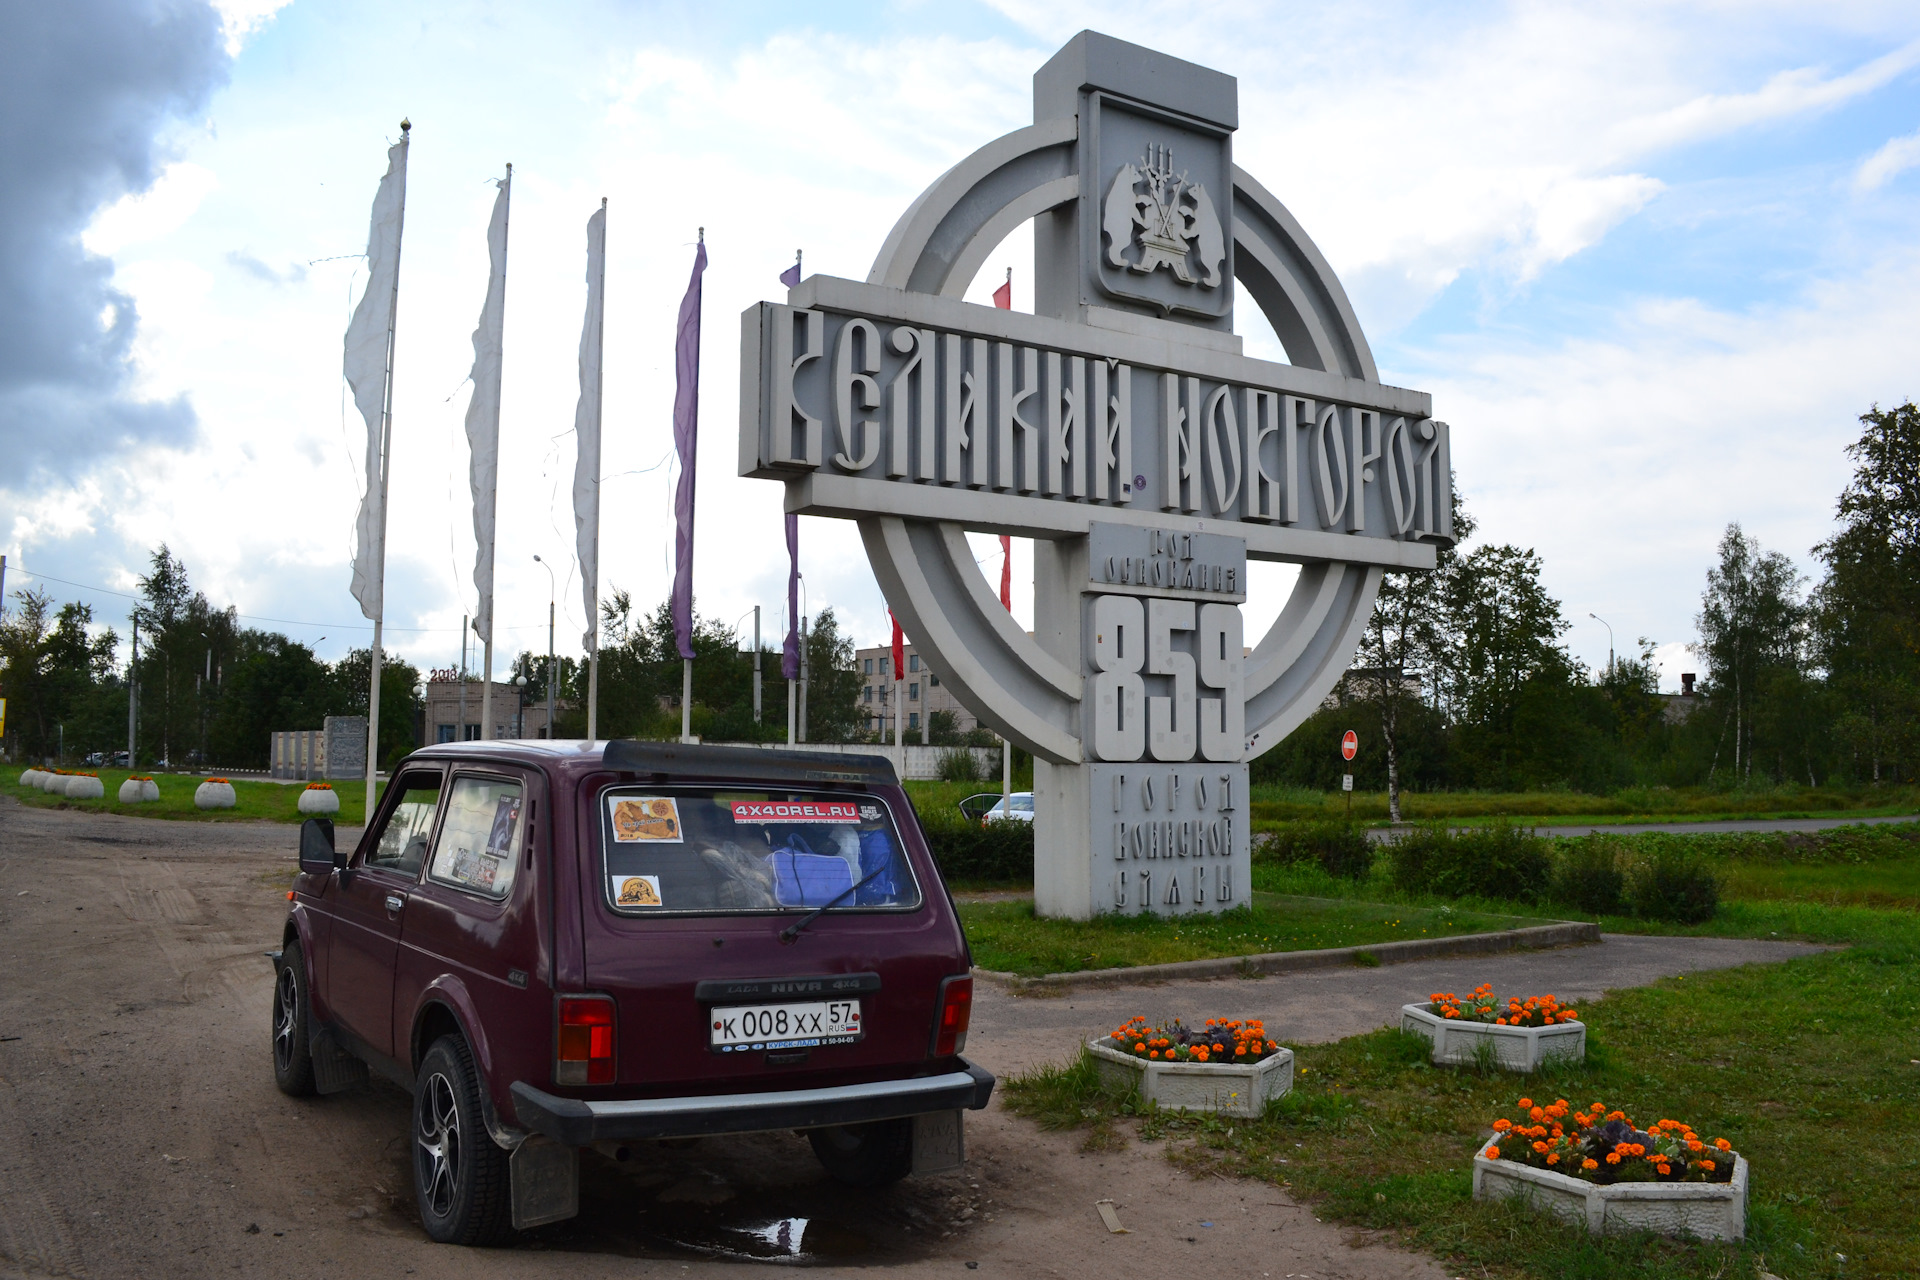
<point x="374" y="889"/>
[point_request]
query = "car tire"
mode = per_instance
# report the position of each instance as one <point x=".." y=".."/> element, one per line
<point x="292" y="1054"/>
<point x="875" y="1154"/>
<point x="460" y="1176"/>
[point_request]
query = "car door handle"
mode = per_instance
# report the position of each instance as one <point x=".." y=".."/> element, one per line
<point x="395" y="902"/>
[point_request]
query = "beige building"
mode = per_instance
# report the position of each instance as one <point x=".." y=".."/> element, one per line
<point x="921" y="694"/>
<point x="453" y="711"/>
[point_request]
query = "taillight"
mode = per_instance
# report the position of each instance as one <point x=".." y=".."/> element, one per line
<point x="583" y="1052"/>
<point x="956" y="1009"/>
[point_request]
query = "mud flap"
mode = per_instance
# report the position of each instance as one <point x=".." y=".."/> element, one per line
<point x="334" y="1069"/>
<point x="939" y="1142"/>
<point x="546" y="1182"/>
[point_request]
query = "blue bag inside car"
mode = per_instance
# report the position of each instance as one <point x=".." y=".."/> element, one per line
<point x="805" y="879"/>
<point x="876" y="855"/>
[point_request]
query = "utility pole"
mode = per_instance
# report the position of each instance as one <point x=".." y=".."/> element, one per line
<point x="460" y="734"/>
<point x="756" y="664"/>
<point x="133" y="694"/>
<point x="803" y="677"/>
<point x="550" y="597"/>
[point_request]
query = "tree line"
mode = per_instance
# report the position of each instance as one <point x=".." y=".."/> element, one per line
<point x="210" y="691"/>
<point x="1462" y="680"/>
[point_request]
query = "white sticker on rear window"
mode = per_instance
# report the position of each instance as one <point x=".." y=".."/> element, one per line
<point x="645" y="819"/>
<point x="636" y="891"/>
<point x="795" y="811"/>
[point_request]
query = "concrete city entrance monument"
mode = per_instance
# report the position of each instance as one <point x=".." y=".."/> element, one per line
<point x="1121" y="428"/>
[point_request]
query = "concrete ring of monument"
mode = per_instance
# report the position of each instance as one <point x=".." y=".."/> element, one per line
<point x="1122" y="429"/>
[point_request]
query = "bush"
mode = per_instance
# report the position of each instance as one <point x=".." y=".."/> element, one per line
<point x="1498" y="861"/>
<point x="998" y="852"/>
<point x="1589" y="877"/>
<point x="1340" y="849"/>
<point x="1675" y="885"/>
<point x="958" y="764"/>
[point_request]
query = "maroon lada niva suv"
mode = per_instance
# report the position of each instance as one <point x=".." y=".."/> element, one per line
<point x="557" y="945"/>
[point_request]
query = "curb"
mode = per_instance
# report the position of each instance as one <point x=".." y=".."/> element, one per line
<point x="1534" y="938"/>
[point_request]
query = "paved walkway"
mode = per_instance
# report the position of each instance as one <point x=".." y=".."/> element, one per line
<point x="1384" y="834"/>
<point x="1015" y="1033"/>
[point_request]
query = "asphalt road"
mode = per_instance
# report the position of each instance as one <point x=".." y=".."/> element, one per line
<point x="141" y="1134"/>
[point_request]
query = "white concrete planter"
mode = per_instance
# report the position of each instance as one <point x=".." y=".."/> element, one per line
<point x="31" y="778"/>
<point x="139" y="791"/>
<point x="1458" y="1042"/>
<point x="214" y="795"/>
<point x="319" y="802"/>
<point x="1709" y="1210"/>
<point x="52" y="783"/>
<point x="82" y="787"/>
<point x="1228" y="1088"/>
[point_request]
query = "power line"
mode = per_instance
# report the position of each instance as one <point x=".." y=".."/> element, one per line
<point x="255" y="617"/>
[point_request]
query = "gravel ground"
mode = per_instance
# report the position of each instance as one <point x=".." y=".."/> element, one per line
<point x="141" y="1135"/>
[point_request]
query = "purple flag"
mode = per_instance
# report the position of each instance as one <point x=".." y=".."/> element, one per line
<point x="686" y="427"/>
<point x="790" y="653"/>
<point x="791" y="276"/>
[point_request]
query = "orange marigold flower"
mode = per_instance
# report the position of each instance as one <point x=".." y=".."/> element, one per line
<point x="1708" y="1165"/>
<point x="1540" y="1147"/>
<point x="1589" y="1164"/>
<point x="1554" y="1158"/>
<point x="1525" y="1103"/>
<point x="1613" y="1157"/>
<point x="1501" y="1126"/>
<point x="1491" y="1153"/>
<point x="1723" y="1144"/>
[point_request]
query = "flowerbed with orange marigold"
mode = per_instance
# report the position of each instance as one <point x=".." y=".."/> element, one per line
<point x="1606" y="1147"/>
<point x="1221" y="1040"/>
<point x="1482" y="1005"/>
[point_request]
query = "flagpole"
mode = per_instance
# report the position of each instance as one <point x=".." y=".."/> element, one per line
<point x="386" y="477"/>
<point x="593" y="612"/>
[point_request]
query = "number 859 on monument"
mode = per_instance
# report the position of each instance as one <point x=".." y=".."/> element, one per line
<point x="1192" y="652"/>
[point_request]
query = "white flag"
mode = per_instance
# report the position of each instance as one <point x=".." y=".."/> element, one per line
<point x="586" y="430"/>
<point x="483" y="411"/>
<point x="367" y="348"/>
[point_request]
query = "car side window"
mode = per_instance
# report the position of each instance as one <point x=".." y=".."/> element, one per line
<point x="402" y="845"/>
<point x="479" y="845"/>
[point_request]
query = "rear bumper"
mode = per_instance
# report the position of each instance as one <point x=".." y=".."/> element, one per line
<point x="579" y="1123"/>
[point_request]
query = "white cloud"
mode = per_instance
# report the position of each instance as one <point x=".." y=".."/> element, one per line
<point x="152" y="214"/>
<point x="1896" y="157"/>
<point x="240" y="19"/>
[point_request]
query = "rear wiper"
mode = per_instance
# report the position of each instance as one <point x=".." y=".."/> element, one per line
<point x="792" y="931"/>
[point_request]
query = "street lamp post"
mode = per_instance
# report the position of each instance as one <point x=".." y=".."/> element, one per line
<point x="1609" y="626"/>
<point x="550" y="597"/>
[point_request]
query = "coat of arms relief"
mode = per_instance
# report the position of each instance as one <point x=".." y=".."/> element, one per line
<point x="1164" y="220"/>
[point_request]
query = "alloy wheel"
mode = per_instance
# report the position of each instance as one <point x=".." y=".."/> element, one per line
<point x="286" y="1017"/>
<point x="437" y="1146"/>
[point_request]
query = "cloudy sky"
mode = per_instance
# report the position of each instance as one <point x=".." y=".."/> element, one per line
<point x="1650" y="259"/>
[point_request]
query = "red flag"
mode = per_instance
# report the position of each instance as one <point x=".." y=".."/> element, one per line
<point x="899" y="647"/>
<point x="1006" y="573"/>
<point x="1003" y="296"/>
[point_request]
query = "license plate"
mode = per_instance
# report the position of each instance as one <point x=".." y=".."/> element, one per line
<point x="741" y="1028"/>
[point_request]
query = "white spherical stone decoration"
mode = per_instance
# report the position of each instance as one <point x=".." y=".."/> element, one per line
<point x="214" y="795"/>
<point x="85" y="787"/>
<point x="31" y="778"/>
<point x="138" y="791"/>
<point x="319" y="802"/>
<point x="49" y="779"/>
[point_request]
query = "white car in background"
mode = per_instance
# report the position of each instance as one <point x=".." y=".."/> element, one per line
<point x="990" y="806"/>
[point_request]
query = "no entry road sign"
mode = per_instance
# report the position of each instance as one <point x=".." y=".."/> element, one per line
<point x="1349" y="744"/>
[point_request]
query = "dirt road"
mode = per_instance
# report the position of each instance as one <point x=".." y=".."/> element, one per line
<point x="141" y="1135"/>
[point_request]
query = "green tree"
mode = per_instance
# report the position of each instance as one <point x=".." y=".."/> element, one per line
<point x="1753" y="632"/>
<point x="1503" y="634"/>
<point x="58" y="677"/>
<point x="401" y="703"/>
<point x="271" y="684"/>
<point x="1866" y="610"/>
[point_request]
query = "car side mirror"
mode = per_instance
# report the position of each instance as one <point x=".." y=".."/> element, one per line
<point x="316" y="846"/>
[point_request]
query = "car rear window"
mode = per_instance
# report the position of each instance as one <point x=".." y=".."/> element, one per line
<point x="727" y="851"/>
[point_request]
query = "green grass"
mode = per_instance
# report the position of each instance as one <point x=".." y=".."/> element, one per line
<point x="1006" y="936"/>
<point x="1807" y="1067"/>
<point x="1272" y="803"/>
<point x="257" y="801"/>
